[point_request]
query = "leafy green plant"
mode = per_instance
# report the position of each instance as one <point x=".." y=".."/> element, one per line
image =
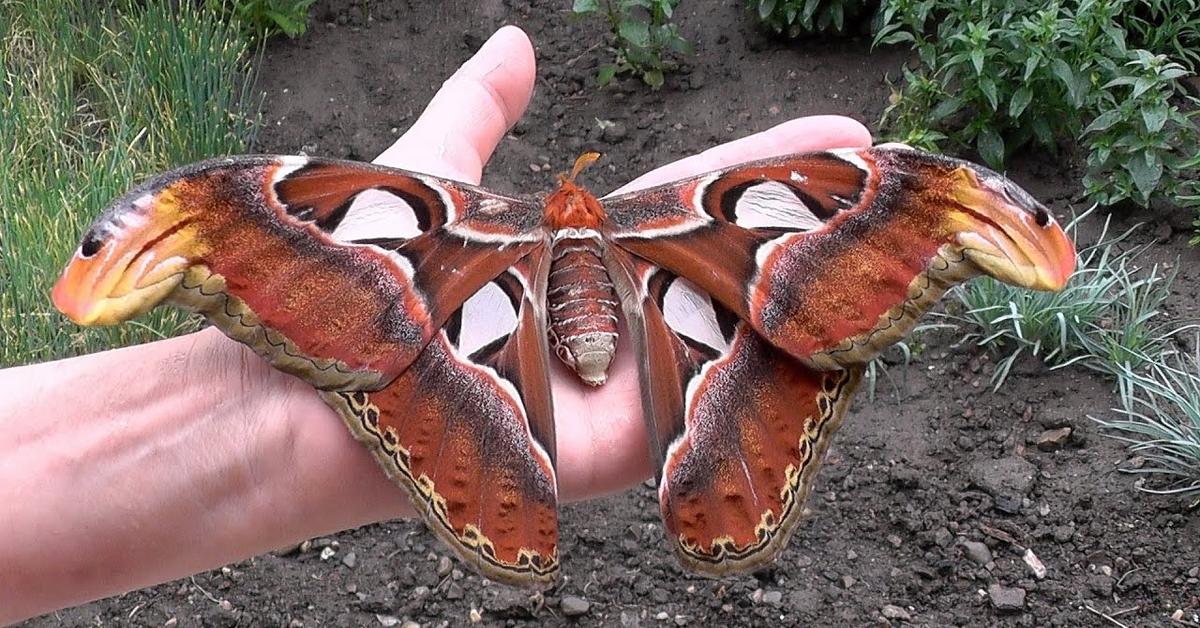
<point x="1166" y="27"/>
<point x="1142" y="144"/>
<point x="643" y="35"/>
<point x="990" y="59"/>
<point x="793" y="18"/>
<point x="1160" y="420"/>
<point x="1108" y="318"/>
<point x="95" y="97"/>
<point x="997" y="76"/>
<point x="264" y="18"/>
<point x="907" y="113"/>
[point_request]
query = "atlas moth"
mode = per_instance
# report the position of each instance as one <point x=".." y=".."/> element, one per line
<point x="425" y="311"/>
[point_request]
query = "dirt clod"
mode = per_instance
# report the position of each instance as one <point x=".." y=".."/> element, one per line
<point x="1007" y="480"/>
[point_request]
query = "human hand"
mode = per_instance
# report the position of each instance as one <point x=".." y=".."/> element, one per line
<point x="602" y="443"/>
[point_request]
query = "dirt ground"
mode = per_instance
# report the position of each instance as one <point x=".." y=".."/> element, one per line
<point x="932" y="495"/>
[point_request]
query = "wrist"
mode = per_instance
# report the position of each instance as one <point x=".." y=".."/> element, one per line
<point x="153" y="462"/>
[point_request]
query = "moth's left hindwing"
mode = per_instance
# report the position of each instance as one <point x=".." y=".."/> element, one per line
<point x="739" y="427"/>
<point x="468" y="431"/>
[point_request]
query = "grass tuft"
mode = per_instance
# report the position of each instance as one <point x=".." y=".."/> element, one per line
<point x="1160" y="406"/>
<point x="1107" y="319"/>
<point x="95" y="96"/>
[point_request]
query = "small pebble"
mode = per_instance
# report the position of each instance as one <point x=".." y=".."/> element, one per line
<point x="1053" y="440"/>
<point x="891" y="611"/>
<point x="1035" y="564"/>
<point x="1006" y="598"/>
<point x="574" y="606"/>
<point x="977" y="552"/>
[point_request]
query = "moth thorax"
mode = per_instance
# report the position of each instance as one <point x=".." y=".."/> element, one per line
<point x="583" y="308"/>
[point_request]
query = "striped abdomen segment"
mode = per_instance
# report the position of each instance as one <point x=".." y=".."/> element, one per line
<point x="583" y="308"/>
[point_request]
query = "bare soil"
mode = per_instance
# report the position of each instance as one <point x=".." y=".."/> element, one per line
<point x="933" y="494"/>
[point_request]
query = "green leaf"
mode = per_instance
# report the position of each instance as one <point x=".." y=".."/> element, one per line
<point x="1067" y="76"/>
<point x="1043" y="132"/>
<point x="680" y="45"/>
<point x="991" y="147"/>
<point x="653" y="78"/>
<point x="1155" y="117"/>
<point x="1146" y="173"/>
<point x="1103" y="121"/>
<point x="1141" y="86"/>
<point x="585" y="6"/>
<point x="1031" y="65"/>
<point x="636" y="33"/>
<point x="988" y="87"/>
<point x="946" y="108"/>
<point x="977" y="60"/>
<point x="606" y="74"/>
<point x="1120" y="80"/>
<point x="1019" y="102"/>
<point x="765" y="8"/>
<point x="896" y="38"/>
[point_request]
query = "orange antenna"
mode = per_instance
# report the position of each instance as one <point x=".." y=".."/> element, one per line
<point x="582" y="162"/>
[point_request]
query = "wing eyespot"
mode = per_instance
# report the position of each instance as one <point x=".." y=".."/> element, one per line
<point x="91" y="245"/>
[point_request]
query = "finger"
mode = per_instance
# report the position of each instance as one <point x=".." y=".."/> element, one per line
<point x="793" y="136"/>
<point x="470" y="114"/>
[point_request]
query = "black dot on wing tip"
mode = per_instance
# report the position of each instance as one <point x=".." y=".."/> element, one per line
<point x="91" y="245"/>
<point x="1041" y="217"/>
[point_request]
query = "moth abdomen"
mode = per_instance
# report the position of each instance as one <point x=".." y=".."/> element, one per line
<point x="582" y="308"/>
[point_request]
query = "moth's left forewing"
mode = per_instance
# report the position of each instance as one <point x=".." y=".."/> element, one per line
<point x="738" y="428"/>
<point x="818" y="252"/>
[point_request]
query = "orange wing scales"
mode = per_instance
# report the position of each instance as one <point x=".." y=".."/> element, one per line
<point x="757" y="427"/>
<point x="457" y="439"/>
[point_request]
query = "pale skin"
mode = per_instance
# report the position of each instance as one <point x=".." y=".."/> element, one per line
<point x="131" y="467"/>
